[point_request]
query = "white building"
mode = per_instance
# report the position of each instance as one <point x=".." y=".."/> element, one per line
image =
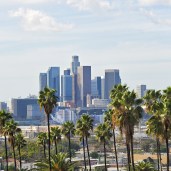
<point x="100" y="102"/>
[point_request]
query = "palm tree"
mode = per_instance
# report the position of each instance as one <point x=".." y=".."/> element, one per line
<point x="103" y="134"/>
<point x="9" y="130"/>
<point x="154" y="105"/>
<point x="83" y="127"/>
<point x="127" y="114"/>
<point x="108" y="119"/>
<point x="59" y="162"/>
<point x="56" y="136"/>
<point x="48" y="101"/>
<point x="4" y="117"/>
<point x="20" y="143"/>
<point x="144" y="166"/>
<point x="42" y="140"/>
<point x="166" y="119"/>
<point x="68" y="129"/>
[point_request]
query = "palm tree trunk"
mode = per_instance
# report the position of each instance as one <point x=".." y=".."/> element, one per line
<point x="105" y="154"/>
<point x="84" y="155"/>
<point x="49" y="141"/>
<point x="128" y="155"/>
<point x="15" y="165"/>
<point x="70" y="147"/>
<point x="19" y="151"/>
<point x="56" y="148"/>
<point x="114" y="144"/>
<point x="88" y="153"/>
<point x="167" y="148"/>
<point x="6" y="153"/>
<point x="160" y="158"/>
<point x="132" y="153"/>
<point x="44" y="149"/>
<point x="157" y="140"/>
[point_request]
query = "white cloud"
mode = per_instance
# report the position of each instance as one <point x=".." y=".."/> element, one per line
<point x="34" y="20"/>
<point x="155" y="2"/>
<point x="89" y="4"/>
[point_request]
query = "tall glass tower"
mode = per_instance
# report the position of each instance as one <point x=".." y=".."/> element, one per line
<point x="112" y="78"/>
<point x="74" y="64"/>
<point x="42" y="81"/>
<point x="53" y="79"/>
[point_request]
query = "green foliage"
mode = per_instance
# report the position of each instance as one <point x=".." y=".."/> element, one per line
<point x="144" y="166"/>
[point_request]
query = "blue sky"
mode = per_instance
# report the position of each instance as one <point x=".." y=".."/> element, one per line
<point x="131" y="35"/>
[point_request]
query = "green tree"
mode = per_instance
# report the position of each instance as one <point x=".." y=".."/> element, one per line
<point x="48" y="101"/>
<point x="59" y="162"/>
<point x="20" y="143"/>
<point x="10" y="129"/>
<point x="127" y="113"/>
<point x="4" y="117"/>
<point x="42" y="140"/>
<point x="83" y="127"/>
<point x="144" y="166"/>
<point x="56" y="136"/>
<point x="166" y="119"/>
<point x="108" y="119"/>
<point x="103" y="135"/>
<point x="154" y="106"/>
<point x="68" y="129"/>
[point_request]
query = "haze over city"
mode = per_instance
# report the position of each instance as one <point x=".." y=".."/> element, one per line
<point x="132" y="36"/>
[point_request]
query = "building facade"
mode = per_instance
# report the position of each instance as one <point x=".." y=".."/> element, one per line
<point x="112" y="78"/>
<point x="141" y="90"/>
<point x="42" y="81"/>
<point x="96" y="87"/>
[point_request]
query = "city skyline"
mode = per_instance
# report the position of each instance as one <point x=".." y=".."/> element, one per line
<point x="132" y="36"/>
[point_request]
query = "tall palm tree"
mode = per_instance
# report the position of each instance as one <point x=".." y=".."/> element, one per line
<point x="127" y="113"/>
<point x="103" y="134"/>
<point x="10" y="129"/>
<point x="4" y="117"/>
<point x="108" y="119"/>
<point x="83" y="127"/>
<point x="48" y="101"/>
<point x="20" y="143"/>
<point x="154" y="106"/>
<point x="59" y="163"/>
<point x="42" y="140"/>
<point x="166" y="118"/>
<point x="68" y="129"/>
<point x="56" y="136"/>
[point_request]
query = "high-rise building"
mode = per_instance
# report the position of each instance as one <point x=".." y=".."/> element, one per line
<point x="19" y="107"/>
<point x="66" y="86"/>
<point x="83" y="85"/>
<point x="42" y="81"/>
<point x="102" y="87"/>
<point x="53" y="79"/>
<point x="112" y="78"/>
<point x="74" y="64"/>
<point x="141" y="90"/>
<point x="96" y="87"/>
<point x="3" y="106"/>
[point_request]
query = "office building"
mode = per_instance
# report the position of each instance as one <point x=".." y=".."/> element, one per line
<point x="19" y="107"/>
<point x="66" y="86"/>
<point x="102" y="87"/>
<point x="112" y="78"/>
<point x="74" y="64"/>
<point x="100" y="102"/>
<point x="141" y="90"/>
<point x="42" y="81"/>
<point x="83" y="85"/>
<point x="96" y="87"/>
<point x="53" y="79"/>
<point x="3" y="106"/>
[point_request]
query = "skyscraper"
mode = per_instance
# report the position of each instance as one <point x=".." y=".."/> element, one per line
<point x="42" y="81"/>
<point x="140" y="90"/>
<point x="112" y="78"/>
<point x="83" y="85"/>
<point x="74" y="64"/>
<point x="53" y="79"/>
<point x="102" y="87"/>
<point x="96" y="87"/>
<point x="66" y="86"/>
